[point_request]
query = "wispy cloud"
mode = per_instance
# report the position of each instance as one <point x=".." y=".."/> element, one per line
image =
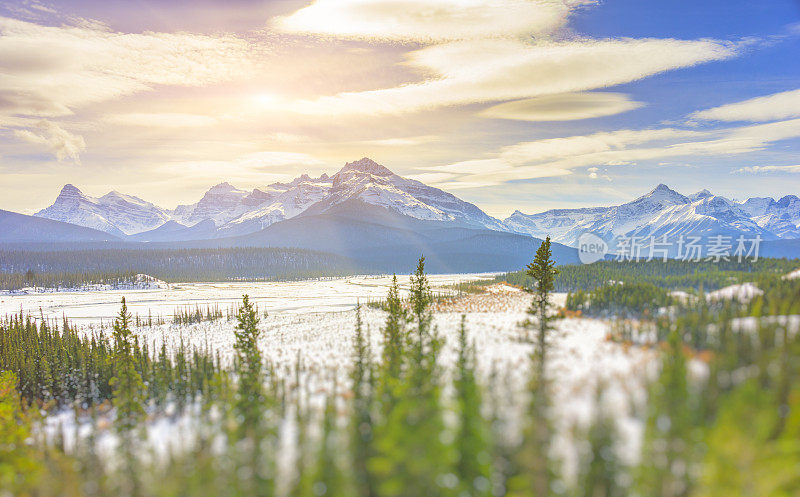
<point x="164" y="120"/>
<point x="561" y="156"/>
<point x="563" y="107"/>
<point x="477" y="71"/>
<point x="767" y="169"/>
<point x="51" y="71"/>
<point x="429" y="21"/>
<point x="782" y="105"/>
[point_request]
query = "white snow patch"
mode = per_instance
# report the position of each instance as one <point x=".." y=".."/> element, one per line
<point x="744" y="292"/>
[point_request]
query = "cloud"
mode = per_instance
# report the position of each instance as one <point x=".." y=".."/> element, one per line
<point x="63" y="144"/>
<point x="767" y="169"/>
<point x="247" y="170"/>
<point x="70" y="66"/>
<point x="594" y="173"/>
<point x="554" y="157"/>
<point x="428" y="20"/>
<point x="162" y="120"/>
<point x="782" y="105"/>
<point x="477" y="71"/>
<point x="563" y="107"/>
<point x="52" y="71"/>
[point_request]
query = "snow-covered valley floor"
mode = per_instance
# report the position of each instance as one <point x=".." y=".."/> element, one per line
<point x="315" y="321"/>
<point x="295" y="297"/>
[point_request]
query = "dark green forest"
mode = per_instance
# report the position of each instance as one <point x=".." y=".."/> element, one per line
<point x="77" y="268"/>
<point x="672" y="274"/>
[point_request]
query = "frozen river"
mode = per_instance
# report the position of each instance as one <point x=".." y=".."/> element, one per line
<point x="297" y="297"/>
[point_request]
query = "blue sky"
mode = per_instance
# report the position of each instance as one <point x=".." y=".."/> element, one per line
<point x="513" y="104"/>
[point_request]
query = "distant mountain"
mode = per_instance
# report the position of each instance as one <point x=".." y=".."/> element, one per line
<point x="113" y="213"/>
<point x="368" y="213"/>
<point x="373" y="184"/>
<point x="664" y="211"/>
<point x="172" y="231"/>
<point x="384" y="240"/>
<point x="236" y="212"/>
<point x="19" y="228"/>
<point x="781" y="218"/>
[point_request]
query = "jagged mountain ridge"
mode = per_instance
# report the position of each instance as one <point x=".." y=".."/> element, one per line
<point x="226" y="211"/>
<point x="664" y="211"/>
<point x="113" y="213"/>
<point x="237" y="212"/>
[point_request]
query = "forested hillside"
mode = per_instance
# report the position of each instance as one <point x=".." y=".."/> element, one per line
<point x="72" y="268"/>
<point x="672" y="274"/>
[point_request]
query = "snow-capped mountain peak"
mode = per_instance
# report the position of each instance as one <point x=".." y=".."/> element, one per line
<point x="366" y="165"/>
<point x="664" y="195"/>
<point x="664" y="211"/>
<point x="69" y="191"/>
<point x="113" y="213"/>
<point x="701" y="194"/>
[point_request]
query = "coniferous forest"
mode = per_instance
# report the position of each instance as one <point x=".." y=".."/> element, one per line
<point x="53" y="268"/>
<point x="401" y="422"/>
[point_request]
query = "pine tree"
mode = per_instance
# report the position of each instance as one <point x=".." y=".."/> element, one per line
<point x="329" y="481"/>
<point x="249" y="363"/>
<point x="534" y="471"/>
<point x="599" y="472"/>
<point x="250" y="405"/>
<point x="394" y="337"/>
<point x="668" y="440"/>
<point x="473" y="466"/>
<point x="361" y="442"/>
<point x="129" y="390"/>
<point x="421" y="299"/>
<point x="129" y="397"/>
<point x="412" y="456"/>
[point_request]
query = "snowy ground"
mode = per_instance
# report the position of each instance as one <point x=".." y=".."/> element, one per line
<point x="139" y="282"/>
<point x="296" y="297"/>
<point x="315" y="321"/>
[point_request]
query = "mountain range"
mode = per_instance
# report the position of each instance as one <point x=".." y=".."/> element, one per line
<point x="236" y="212"/>
<point x="664" y="211"/>
<point x="368" y="213"/>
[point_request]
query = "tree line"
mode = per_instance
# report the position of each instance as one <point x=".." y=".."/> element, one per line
<point x="77" y="268"/>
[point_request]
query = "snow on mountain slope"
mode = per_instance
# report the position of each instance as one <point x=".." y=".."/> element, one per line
<point x="280" y="201"/>
<point x="113" y="213"/>
<point x="374" y="184"/>
<point x="238" y="212"/>
<point x="781" y="218"/>
<point x="221" y="204"/>
<point x="661" y="212"/>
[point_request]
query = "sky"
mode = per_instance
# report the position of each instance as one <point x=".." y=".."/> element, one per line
<point x="510" y="104"/>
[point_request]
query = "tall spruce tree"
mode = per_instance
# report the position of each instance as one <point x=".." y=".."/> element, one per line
<point x="668" y="439"/>
<point x="412" y="456"/>
<point x="251" y="407"/>
<point x="534" y="472"/>
<point x="473" y="450"/>
<point x="361" y="429"/>
<point x="250" y="367"/>
<point x="394" y="337"/>
<point x="129" y="398"/>
<point x="600" y="469"/>
<point x="129" y="389"/>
